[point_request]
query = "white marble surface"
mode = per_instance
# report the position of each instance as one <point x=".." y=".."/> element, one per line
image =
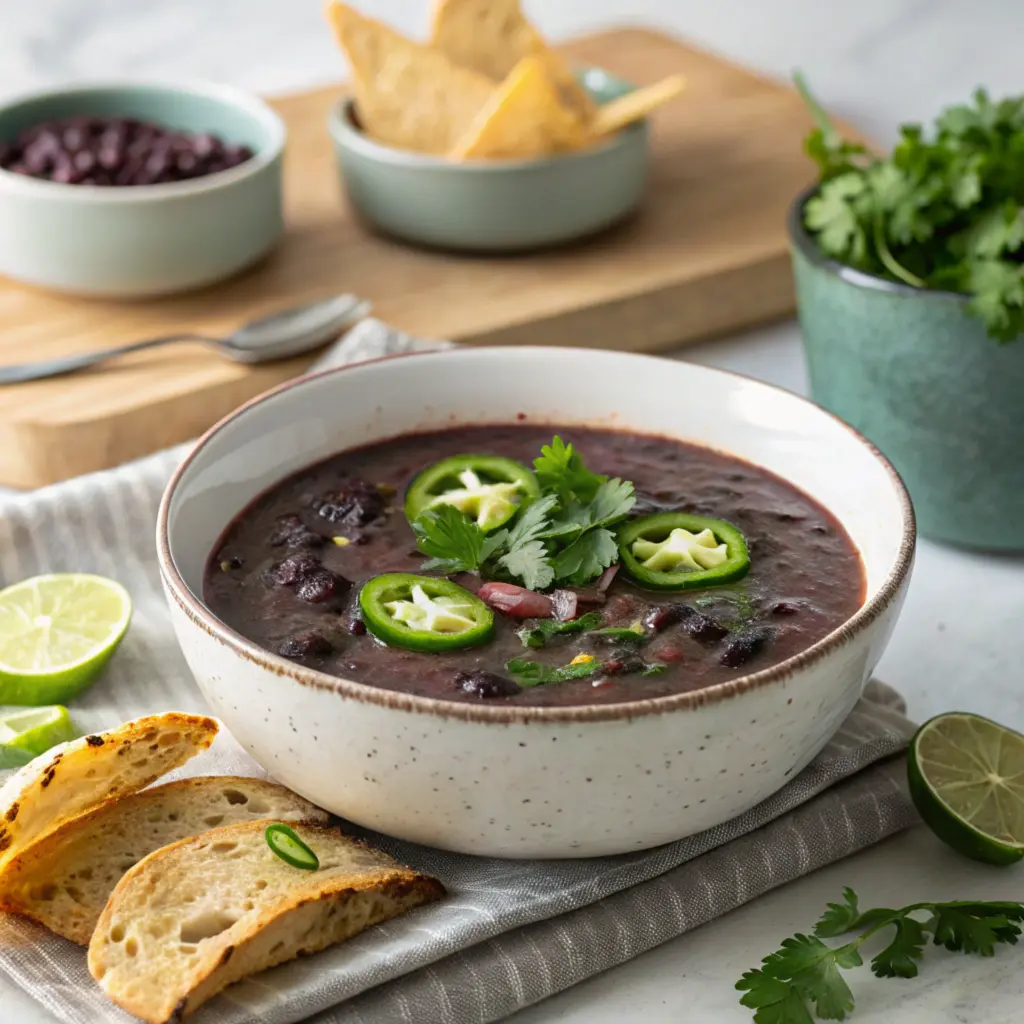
<point x="959" y="643"/>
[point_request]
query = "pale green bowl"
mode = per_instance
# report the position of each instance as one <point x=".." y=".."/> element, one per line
<point x="917" y="374"/>
<point x="496" y="205"/>
<point x="144" y="240"/>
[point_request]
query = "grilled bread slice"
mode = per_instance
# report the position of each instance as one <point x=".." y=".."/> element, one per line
<point x="77" y="776"/>
<point x="65" y="879"/>
<point x="194" y="917"/>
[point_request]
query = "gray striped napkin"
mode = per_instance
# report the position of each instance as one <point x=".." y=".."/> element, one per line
<point x="511" y="932"/>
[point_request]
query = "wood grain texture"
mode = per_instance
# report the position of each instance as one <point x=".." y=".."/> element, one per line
<point x="705" y="254"/>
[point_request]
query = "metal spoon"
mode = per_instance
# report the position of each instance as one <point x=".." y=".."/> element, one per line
<point x="288" y="333"/>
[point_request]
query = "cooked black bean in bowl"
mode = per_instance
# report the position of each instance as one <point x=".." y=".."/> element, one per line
<point x="113" y="151"/>
<point x="498" y="564"/>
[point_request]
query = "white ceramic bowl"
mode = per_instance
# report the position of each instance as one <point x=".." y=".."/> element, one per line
<point x="531" y="781"/>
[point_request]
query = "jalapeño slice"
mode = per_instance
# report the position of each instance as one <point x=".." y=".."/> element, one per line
<point x="677" y="551"/>
<point x="488" y="489"/>
<point x="287" y="845"/>
<point x="424" y="613"/>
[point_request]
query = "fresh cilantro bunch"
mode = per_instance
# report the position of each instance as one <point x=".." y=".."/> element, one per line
<point x="942" y="212"/>
<point x="564" y="536"/>
<point x="803" y="980"/>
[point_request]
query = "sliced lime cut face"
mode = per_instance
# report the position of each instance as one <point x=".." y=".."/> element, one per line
<point x="26" y="733"/>
<point x="966" y="776"/>
<point x="56" y="633"/>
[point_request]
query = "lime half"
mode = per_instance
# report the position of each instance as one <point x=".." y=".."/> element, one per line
<point x="56" y="633"/>
<point x="26" y="733"/>
<point x="966" y="777"/>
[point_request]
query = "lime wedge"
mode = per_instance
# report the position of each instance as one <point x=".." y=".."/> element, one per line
<point x="26" y="733"/>
<point x="56" y="633"/>
<point x="966" y="778"/>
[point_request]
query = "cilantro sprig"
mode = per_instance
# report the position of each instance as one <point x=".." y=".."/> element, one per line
<point x="943" y="210"/>
<point x="802" y="981"/>
<point x="565" y="536"/>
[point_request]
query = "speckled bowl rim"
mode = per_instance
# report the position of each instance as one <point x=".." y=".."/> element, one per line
<point x="802" y="241"/>
<point x="347" y="134"/>
<point x="201" y="616"/>
<point x="226" y="95"/>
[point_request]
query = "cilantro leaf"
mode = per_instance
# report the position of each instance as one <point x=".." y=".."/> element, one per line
<point x="586" y="557"/>
<point x="532" y="522"/>
<point x="561" y="471"/>
<point x="814" y="969"/>
<point x="976" y="927"/>
<point x="838" y="917"/>
<point x="834" y="217"/>
<point x="530" y="563"/>
<point x="773" y="1001"/>
<point x="899" y="958"/>
<point x="543" y="630"/>
<point x="453" y="543"/>
<point x="998" y="290"/>
<point x="529" y="673"/>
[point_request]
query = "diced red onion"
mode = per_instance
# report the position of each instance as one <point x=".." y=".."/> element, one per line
<point x="604" y="581"/>
<point x="565" y="604"/>
<point x="518" y="602"/>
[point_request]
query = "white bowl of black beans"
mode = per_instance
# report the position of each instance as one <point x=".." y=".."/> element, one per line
<point x="127" y="190"/>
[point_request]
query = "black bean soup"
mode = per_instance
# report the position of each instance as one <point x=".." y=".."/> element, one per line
<point x="288" y="571"/>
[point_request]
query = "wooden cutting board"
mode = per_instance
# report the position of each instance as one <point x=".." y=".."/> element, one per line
<point x="705" y="254"/>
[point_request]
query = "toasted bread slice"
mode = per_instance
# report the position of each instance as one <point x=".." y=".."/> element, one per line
<point x="75" y="777"/>
<point x="493" y="36"/>
<point x="407" y="95"/>
<point x="192" y="918"/>
<point x="64" y="880"/>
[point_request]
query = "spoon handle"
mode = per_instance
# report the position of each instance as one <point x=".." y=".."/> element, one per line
<point x="67" y="364"/>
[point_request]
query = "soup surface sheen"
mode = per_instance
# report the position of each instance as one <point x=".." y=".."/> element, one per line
<point x="805" y="575"/>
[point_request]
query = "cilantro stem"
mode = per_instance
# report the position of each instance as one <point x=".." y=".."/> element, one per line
<point x="889" y="261"/>
<point x="824" y="123"/>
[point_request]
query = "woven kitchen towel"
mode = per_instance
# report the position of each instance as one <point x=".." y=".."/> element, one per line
<point x="511" y="932"/>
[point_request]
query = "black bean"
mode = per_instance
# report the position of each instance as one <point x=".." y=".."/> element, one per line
<point x="295" y="569"/>
<point x="623" y="663"/>
<point x="785" y="608"/>
<point x="704" y="629"/>
<point x="664" y="615"/>
<point x="320" y="585"/>
<point x="292" y="532"/>
<point x="356" y="503"/>
<point x="746" y="645"/>
<point x="698" y="625"/>
<point x="305" y="645"/>
<point x="484" y="684"/>
<point x="356" y="626"/>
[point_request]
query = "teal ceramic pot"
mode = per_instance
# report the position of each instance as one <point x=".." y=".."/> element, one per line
<point x="130" y="242"/>
<point x="499" y="206"/>
<point x="918" y="375"/>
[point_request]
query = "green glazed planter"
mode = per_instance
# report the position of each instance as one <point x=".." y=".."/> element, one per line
<point x="919" y="376"/>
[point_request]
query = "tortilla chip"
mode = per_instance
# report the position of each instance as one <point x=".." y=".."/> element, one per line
<point x="407" y="95"/>
<point x="635" y="105"/>
<point x="523" y="119"/>
<point x="493" y="36"/>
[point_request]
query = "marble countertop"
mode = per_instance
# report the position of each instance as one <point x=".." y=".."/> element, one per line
<point x="959" y="643"/>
